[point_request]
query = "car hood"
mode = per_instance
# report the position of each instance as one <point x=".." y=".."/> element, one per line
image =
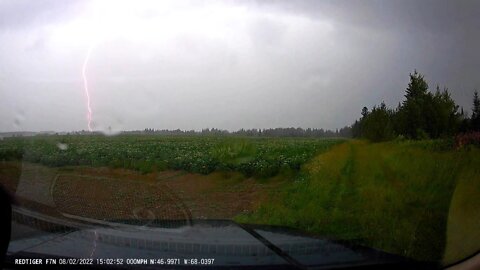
<point x="228" y="243"/>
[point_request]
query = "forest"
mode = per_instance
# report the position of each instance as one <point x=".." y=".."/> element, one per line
<point x="423" y="114"/>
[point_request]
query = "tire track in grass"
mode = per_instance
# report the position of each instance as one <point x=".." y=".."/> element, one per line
<point x="343" y="195"/>
<point x="345" y="176"/>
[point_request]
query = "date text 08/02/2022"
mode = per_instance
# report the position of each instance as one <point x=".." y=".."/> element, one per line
<point x="116" y="261"/>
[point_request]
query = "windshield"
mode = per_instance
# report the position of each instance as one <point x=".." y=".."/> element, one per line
<point x="240" y="134"/>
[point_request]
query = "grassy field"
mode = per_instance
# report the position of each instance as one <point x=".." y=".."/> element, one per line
<point x="416" y="199"/>
<point x="392" y="196"/>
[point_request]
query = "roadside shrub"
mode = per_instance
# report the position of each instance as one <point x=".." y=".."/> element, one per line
<point x="470" y="138"/>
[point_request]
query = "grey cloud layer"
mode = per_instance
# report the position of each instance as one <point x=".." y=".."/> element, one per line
<point x="291" y="63"/>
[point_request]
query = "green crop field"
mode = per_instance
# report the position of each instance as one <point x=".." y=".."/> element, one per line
<point x="261" y="157"/>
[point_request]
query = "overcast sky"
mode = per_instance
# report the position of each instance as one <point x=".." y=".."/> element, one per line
<point x="226" y="64"/>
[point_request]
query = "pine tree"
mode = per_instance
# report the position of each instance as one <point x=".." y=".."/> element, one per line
<point x="417" y="87"/>
<point x="364" y="112"/>
<point x="413" y="107"/>
<point x="475" y="120"/>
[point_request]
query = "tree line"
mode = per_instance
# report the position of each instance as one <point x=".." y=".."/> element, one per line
<point x="422" y="115"/>
<point x="266" y="132"/>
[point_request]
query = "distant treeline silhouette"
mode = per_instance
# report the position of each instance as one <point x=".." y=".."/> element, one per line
<point x="422" y="115"/>
<point x="270" y="132"/>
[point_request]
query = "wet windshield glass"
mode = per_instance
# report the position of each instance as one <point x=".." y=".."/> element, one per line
<point x="217" y="133"/>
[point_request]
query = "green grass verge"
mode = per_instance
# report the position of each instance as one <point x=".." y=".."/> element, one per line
<point x="463" y="226"/>
<point x="392" y="196"/>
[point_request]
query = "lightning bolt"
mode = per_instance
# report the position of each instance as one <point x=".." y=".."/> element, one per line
<point x="85" y="87"/>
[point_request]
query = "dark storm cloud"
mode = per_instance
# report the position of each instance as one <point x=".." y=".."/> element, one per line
<point x="403" y="15"/>
<point x="230" y="65"/>
<point x="440" y="38"/>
